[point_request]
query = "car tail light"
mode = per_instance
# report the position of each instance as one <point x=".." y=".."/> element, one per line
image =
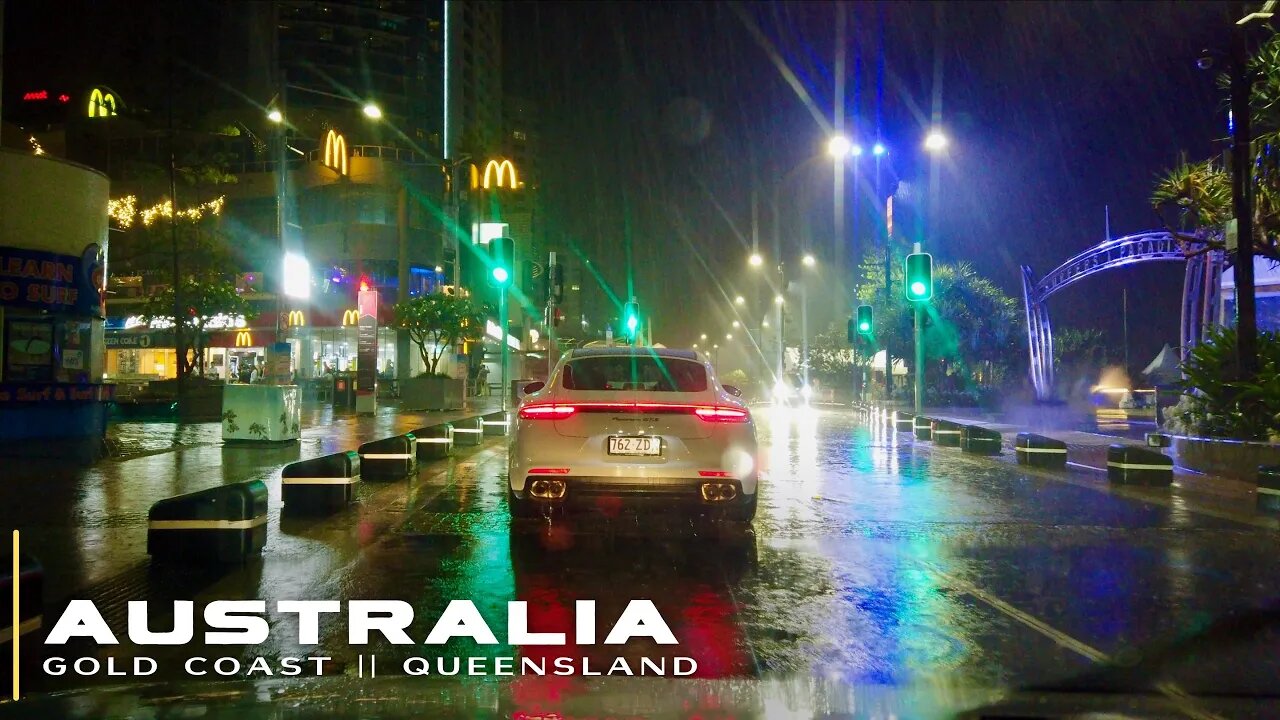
<point x="715" y="473"/>
<point x="548" y="471"/>
<point x="547" y="412"/>
<point x="722" y="414"/>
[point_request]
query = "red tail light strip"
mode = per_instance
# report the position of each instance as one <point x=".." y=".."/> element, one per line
<point x="709" y="413"/>
<point x="715" y="473"/>
<point x="548" y="471"/>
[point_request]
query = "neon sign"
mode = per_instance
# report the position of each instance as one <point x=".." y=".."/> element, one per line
<point x="295" y="319"/>
<point x="35" y="96"/>
<point x="496" y="174"/>
<point x="335" y="151"/>
<point x="101" y="104"/>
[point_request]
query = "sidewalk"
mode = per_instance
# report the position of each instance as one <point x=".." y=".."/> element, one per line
<point x="88" y="524"/>
<point x="1087" y="453"/>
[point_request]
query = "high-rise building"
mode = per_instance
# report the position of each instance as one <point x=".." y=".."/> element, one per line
<point x="472" y="77"/>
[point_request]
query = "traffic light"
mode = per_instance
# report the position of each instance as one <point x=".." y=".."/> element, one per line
<point x="852" y="333"/>
<point x="919" y="282"/>
<point x="502" y="260"/>
<point x="557" y="283"/>
<point x="631" y="319"/>
<point x="866" y="320"/>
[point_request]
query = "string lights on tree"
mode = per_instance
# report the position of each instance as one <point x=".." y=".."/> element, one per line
<point x="124" y="211"/>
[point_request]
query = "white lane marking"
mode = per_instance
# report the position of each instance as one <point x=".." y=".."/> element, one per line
<point x="207" y="524"/>
<point x="1181" y="700"/>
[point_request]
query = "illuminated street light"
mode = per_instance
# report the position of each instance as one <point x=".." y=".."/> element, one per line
<point x="764" y="323"/>
<point x="728" y="336"/>
<point x="935" y="141"/>
<point x="704" y="336"/>
<point x="736" y="324"/>
<point x="856" y="151"/>
<point x="839" y="147"/>
<point x="756" y="260"/>
<point x="695" y="346"/>
<point x="739" y="300"/>
<point x="297" y="276"/>
<point x="778" y="300"/>
<point x="275" y="116"/>
<point x="809" y="261"/>
<point x="879" y="149"/>
<point x="373" y="112"/>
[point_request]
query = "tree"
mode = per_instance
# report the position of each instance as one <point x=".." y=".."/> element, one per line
<point x="1079" y="347"/>
<point x="972" y="329"/>
<point x="437" y="322"/>
<point x="208" y="302"/>
<point x="1193" y="199"/>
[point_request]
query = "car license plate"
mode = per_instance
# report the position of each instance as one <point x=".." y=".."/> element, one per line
<point x="634" y="445"/>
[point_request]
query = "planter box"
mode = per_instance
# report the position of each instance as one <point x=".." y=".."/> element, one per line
<point x="1227" y="458"/>
<point x="260" y="413"/>
<point x="432" y="393"/>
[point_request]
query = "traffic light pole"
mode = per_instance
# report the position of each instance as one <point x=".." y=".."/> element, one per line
<point x="506" y="349"/>
<point x="919" y="338"/>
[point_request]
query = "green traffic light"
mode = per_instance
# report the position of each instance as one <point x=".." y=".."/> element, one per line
<point x="918" y="288"/>
<point x="501" y="275"/>
<point x="632" y="322"/>
<point x="864" y="327"/>
<point x="919" y="272"/>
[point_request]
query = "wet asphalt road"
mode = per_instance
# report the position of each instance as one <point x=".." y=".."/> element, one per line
<point x="884" y="576"/>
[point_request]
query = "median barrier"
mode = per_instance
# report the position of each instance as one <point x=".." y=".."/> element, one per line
<point x="1040" y="451"/>
<point x="977" y="440"/>
<point x="434" y="442"/>
<point x="320" y="485"/>
<point x="468" y="432"/>
<point x="388" y="459"/>
<point x="223" y="524"/>
<point x="946" y="433"/>
<point x="1134" y="465"/>
<point x="923" y="427"/>
<point x="495" y="424"/>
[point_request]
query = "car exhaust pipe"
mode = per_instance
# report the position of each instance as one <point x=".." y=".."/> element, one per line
<point x="719" y="492"/>
<point x="547" y="489"/>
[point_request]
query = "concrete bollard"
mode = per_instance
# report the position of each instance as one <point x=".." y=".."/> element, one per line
<point x="978" y="440"/>
<point x="1134" y="465"/>
<point x="320" y="485"/>
<point x="1269" y="488"/>
<point x="468" y="432"/>
<point x="946" y="433"/>
<point x="903" y="422"/>
<point x="495" y="424"/>
<point x="388" y="459"/>
<point x="1040" y="451"/>
<point x="923" y="427"/>
<point x="434" y="442"/>
<point x="225" y="524"/>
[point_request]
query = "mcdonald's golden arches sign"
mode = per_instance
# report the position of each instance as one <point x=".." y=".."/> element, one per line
<point x="244" y="339"/>
<point x="497" y="174"/>
<point x="350" y="317"/>
<point x="102" y="103"/>
<point x="335" y="151"/>
<point x="295" y="318"/>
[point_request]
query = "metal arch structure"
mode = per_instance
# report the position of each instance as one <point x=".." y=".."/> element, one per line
<point x="1200" y="292"/>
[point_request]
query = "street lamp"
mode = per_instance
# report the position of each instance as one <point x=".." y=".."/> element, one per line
<point x="728" y="336"/>
<point x="808" y="260"/>
<point x="275" y="116"/>
<point x="739" y="300"/>
<point x="755" y="260"/>
<point x="373" y="112"/>
<point x="935" y="141"/>
<point x="736" y="324"/>
<point x="839" y="147"/>
<point x="704" y="337"/>
<point x="778" y="300"/>
<point x="879" y="149"/>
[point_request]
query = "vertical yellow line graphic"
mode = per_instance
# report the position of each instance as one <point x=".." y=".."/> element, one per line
<point x="16" y="613"/>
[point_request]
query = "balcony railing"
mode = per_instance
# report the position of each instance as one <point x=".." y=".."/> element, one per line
<point x="381" y="152"/>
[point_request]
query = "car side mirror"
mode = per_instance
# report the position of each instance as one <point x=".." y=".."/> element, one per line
<point x="732" y="390"/>
<point x="534" y="387"/>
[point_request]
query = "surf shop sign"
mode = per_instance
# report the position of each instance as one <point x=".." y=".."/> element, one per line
<point x="49" y="281"/>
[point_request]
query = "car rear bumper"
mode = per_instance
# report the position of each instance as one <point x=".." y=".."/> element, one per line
<point x="611" y="495"/>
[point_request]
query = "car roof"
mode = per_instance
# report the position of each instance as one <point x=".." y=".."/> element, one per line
<point x="627" y="350"/>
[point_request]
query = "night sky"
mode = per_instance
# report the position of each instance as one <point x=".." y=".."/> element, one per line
<point x="658" y="118"/>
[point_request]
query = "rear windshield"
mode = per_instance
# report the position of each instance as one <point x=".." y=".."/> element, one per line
<point x="634" y="373"/>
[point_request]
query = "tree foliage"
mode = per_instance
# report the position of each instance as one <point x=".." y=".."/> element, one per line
<point x="1214" y="404"/>
<point x="1193" y="199"/>
<point x="973" y="330"/>
<point x="438" y="322"/>
<point x="201" y="300"/>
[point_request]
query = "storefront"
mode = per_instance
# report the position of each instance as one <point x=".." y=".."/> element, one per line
<point x="53" y="238"/>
